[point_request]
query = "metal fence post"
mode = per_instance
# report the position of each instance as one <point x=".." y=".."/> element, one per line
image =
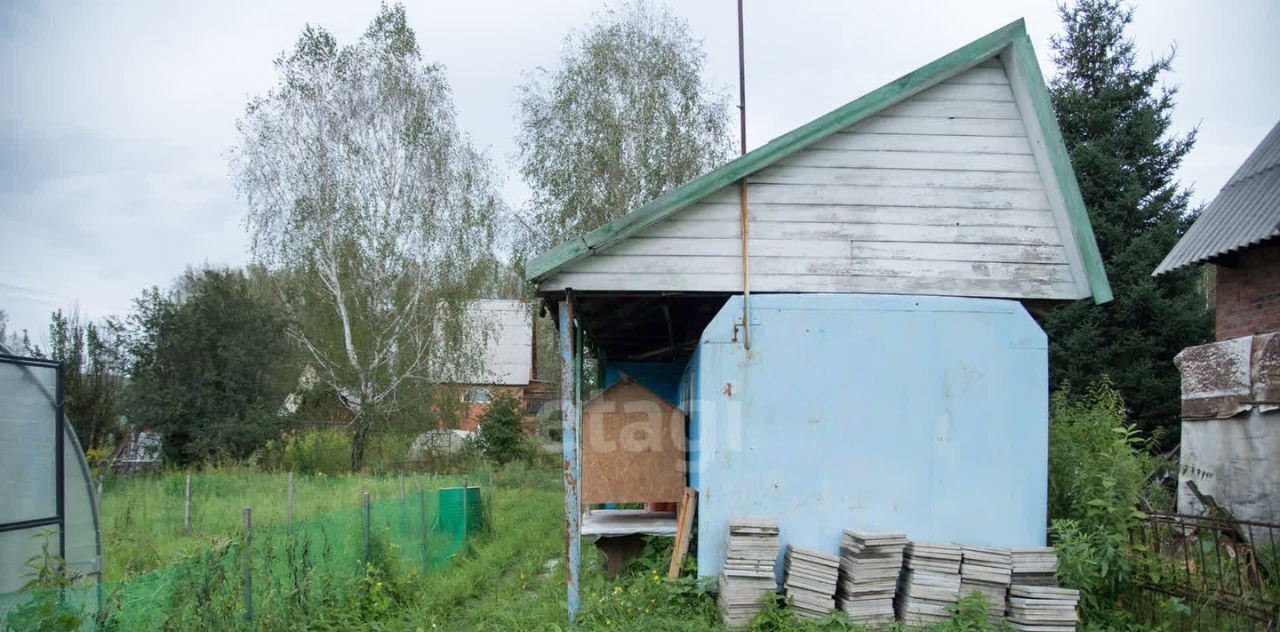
<point x="466" y="511"/>
<point x="422" y="505"/>
<point x="248" y="564"/>
<point x="368" y="551"/>
<point x="186" y="508"/>
<point x="404" y="506"/>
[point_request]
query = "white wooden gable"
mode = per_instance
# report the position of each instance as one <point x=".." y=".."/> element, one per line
<point x="942" y="193"/>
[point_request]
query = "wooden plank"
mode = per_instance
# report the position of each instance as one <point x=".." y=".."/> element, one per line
<point x="966" y="92"/>
<point x="684" y="530"/>
<point x="854" y="263"/>
<point x="967" y="109"/>
<point x="1020" y="235"/>
<point x="937" y="161"/>
<point x="834" y="213"/>
<point x="926" y="142"/>
<point x="990" y="288"/>
<point x="952" y="126"/>
<point x="1053" y="190"/>
<point x="731" y="247"/>
<point x="1023" y="65"/>
<point x="976" y="53"/>
<point x="927" y="197"/>
<point x="913" y="178"/>
<point x="980" y="75"/>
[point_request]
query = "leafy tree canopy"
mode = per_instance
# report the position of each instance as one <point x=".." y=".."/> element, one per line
<point x="206" y="368"/>
<point x="625" y="117"/>
<point x="373" y="211"/>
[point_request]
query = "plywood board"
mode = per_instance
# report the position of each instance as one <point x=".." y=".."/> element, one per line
<point x="633" y="447"/>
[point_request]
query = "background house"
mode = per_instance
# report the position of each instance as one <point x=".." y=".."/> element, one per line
<point x="508" y="362"/>
<point x="1230" y="447"/>
<point x="884" y="372"/>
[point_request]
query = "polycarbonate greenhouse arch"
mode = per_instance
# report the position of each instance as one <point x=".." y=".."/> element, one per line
<point x="33" y="503"/>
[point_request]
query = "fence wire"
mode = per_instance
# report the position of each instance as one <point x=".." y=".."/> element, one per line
<point x="275" y="576"/>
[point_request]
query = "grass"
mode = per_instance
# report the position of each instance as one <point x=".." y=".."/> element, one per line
<point x="142" y="517"/>
<point x="510" y="578"/>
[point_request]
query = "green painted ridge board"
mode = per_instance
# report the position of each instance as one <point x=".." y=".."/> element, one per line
<point x="1062" y="170"/>
<point x="681" y="197"/>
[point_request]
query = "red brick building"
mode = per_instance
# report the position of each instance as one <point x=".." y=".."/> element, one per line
<point x="1230" y="448"/>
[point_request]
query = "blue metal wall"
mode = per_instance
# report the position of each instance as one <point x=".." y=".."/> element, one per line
<point x="927" y="415"/>
<point x="663" y="378"/>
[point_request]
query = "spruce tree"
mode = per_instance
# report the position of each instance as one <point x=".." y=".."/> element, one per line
<point x="1115" y="116"/>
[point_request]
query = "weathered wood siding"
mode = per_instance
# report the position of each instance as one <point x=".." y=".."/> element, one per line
<point x="940" y="194"/>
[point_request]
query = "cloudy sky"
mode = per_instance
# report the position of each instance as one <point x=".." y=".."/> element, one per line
<point x="117" y="116"/>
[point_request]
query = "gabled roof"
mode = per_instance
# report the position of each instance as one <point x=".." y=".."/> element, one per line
<point x="1245" y="212"/>
<point x="1012" y="36"/>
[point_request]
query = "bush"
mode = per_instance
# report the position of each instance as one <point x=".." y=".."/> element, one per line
<point x="326" y="451"/>
<point x="1099" y="478"/>
<point x="501" y="435"/>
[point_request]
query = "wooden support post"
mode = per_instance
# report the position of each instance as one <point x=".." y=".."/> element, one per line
<point x="368" y="550"/>
<point x="569" y="378"/>
<point x="186" y="508"/>
<point x="288" y="507"/>
<point x="248" y="564"/>
<point x="684" y="529"/>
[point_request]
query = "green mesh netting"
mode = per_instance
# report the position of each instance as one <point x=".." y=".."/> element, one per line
<point x="278" y="574"/>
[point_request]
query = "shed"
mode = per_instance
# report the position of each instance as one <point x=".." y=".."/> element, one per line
<point x="1231" y="387"/>
<point x="843" y="312"/>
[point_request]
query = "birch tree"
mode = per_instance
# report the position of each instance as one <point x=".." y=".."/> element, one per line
<point x="626" y="116"/>
<point x="364" y="195"/>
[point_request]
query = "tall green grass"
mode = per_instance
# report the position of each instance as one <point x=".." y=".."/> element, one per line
<point x="142" y="517"/>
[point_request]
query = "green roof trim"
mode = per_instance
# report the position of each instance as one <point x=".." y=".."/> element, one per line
<point x="1060" y="161"/>
<point x="1012" y="35"/>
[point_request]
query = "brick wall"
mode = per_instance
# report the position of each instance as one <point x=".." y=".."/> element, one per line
<point x="1248" y="292"/>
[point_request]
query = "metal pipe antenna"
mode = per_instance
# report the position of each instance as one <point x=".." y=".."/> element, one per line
<point x="742" y="184"/>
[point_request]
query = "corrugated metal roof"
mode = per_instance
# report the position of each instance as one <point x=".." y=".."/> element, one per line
<point x="1246" y="211"/>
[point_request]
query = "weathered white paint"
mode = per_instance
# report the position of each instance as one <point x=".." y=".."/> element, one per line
<point x="944" y="193"/>
<point x="507" y="353"/>
<point x="1056" y="201"/>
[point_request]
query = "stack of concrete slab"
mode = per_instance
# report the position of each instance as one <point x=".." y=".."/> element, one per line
<point x="1042" y="608"/>
<point x="870" y="563"/>
<point x="748" y="568"/>
<point x="809" y="579"/>
<point x="988" y="571"/>
<point x="1035" y="566"/>
<point x="930" y="583"/>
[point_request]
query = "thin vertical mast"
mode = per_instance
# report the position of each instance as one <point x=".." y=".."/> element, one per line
<point x="742" y="184"/>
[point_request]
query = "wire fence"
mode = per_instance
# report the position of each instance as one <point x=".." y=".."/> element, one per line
<point x="277" y="576"/>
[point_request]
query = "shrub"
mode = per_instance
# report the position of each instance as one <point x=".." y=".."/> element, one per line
<point x="326" y="451"/>
<point x="501" y="436"/>
<point x="1099" y="477"/>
